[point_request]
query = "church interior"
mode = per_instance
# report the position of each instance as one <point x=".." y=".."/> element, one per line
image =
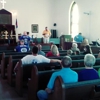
<point x="65" y="19"/>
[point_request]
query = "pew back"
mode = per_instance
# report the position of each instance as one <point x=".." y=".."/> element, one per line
<point x="73" y="91"/>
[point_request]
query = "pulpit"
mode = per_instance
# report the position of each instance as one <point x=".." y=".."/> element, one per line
<point x="63" y="39"/>
<point x="7" y="30"/>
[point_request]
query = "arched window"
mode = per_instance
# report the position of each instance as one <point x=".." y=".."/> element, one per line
<point x="74" y="19"/>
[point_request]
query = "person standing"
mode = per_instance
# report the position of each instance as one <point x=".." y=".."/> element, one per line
<point x="26" y="38"/>
<point x="46" y="34"/>
<point x="78" y="38"/>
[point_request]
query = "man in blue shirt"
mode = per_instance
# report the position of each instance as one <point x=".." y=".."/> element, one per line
<point x="78" y="38"/>
<point x="22" y="47"/>
<point x="89" y="73"/>
<point x="68" y="76"/>
<point x="26" y="38"/>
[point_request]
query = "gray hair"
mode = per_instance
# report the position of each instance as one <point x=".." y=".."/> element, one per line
<point x="89" y="60"/>
<point x="39" y="47"/>
<point x="66" y="61"/>
<point x="74" y="45"/>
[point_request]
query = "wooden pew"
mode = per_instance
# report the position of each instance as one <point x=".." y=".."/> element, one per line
<point x="5" y="60"/>
<point x="75" y="63"/>
<point x="10" y="70"/>
<point x="39" y="80"/>
<point x="43" y="66"/>
<point x="73" y="91"/>
<point x="22" y="77"/>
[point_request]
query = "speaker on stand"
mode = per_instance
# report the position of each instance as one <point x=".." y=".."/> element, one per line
<point x="53" y="33"/>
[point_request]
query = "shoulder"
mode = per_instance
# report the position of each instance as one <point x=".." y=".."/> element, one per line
<point x="18" y="46"/>
<point x="40" y="56"/>
<point x="28" y="56"/>
<point x="72" y="71"/>
<point x="49" y="52"/>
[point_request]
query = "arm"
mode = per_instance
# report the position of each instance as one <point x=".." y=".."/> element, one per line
<point x="44" y="59"/>
<point x="16" y="66"/>
<point x="50" y="85"/>
<point x="55" y="60"/>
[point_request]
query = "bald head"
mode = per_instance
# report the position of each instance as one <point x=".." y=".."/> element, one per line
<point x="24" y="33"/>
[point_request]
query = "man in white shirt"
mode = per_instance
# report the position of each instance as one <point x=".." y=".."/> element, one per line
<point x="35" y="58"/>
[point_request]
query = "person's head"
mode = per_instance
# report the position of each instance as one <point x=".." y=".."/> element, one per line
<point x="54" y="50"/>
<point x="21" y="42"/>
<point x="66" y="62"/>
<point x="27" y="33"/>
<point x="87" y="49"/>
<point x="89" y="60"/>
<point x="39" y="47"/>
<point x="34" y="50"/>
<point x="24" y="33"/>
<point x="46" y="28"/>
<point x="74" y="45"/>
<point x="80" y="33"/>
<point x="69" y="52"/>
<point x="85" y="42"/>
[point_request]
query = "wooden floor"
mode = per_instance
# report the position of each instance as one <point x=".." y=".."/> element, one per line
<point x="8" y="93"/>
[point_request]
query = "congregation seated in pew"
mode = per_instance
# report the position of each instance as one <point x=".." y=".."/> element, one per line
<point x="67" y="74"/>
<point x="54" y="51"/>
<point x="89" y="73"/>
<point x="40" y="52"/>
<point x="35" y="58"/>
<point x="69" y="52"/>
<point x="87" y="48"/>
<point x="22" y="47"/>
<point x="75" y="48"/>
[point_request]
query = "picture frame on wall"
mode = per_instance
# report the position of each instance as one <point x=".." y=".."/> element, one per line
<point x="34" y="28"/>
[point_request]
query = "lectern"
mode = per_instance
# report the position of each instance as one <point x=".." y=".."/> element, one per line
<point x="65" y="38"/>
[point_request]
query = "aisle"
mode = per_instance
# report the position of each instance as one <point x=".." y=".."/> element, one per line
<point x="8" y="93"/>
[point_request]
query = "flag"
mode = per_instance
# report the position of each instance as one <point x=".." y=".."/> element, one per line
<point x="16" y="24"/>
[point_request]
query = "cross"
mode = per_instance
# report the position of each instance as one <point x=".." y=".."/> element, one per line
<point x="3" y="2"/>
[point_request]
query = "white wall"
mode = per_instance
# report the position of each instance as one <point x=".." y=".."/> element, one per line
<point x="88" y="24"/>
<point x="47" y="12"/>
<point x="30" y="12"/>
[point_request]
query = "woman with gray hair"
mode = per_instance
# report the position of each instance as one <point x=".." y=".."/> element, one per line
<point x="89" y="73"/>
<point x="75" y="48"/>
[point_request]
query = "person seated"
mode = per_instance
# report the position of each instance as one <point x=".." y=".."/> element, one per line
<point x="74" y="48"/>
<point x="40" y="52"/>
<point x="67" y="74"/>
<point x="98" y="54"/>
<point x="78" y="38"/>
<point x="89" y="73"/>
<point x="22" y="47"/>
<point x="69" y="52"/>
<point x="54" y="51"/>
<point x="85" y="42"/>
<point x="35" y="58"/>
<point x="86" y="47"/>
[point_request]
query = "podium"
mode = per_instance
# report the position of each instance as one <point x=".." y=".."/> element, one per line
<point x="65" y="38"/>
